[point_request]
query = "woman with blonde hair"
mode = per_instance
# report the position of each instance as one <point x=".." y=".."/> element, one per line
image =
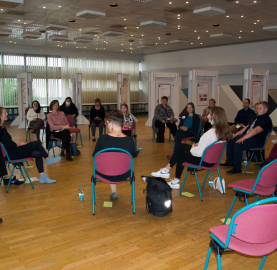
<point x="220" y="131"/>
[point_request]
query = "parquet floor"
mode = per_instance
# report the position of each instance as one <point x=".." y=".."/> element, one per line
<point x="49" y="228"/>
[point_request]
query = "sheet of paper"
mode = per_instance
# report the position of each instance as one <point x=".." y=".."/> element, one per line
<point x="227" y="222"/>
<point x="187" y="194"/>
<point x="108" y="204"/>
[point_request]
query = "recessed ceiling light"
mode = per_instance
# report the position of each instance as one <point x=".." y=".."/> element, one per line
<point x="179" y="15"/>
<point x="227" y="16"/>
<point x="10" y="41"/>
<point x="122" y="50"/>
<point x="58" y="45"/>
<point x="198" y="38"/>
<point x="80" y="29"/>
<point x="158" y="37"/>
<point x="201" y="43"/>
<point x="195" y="31"/>
<point x="121" y="44"/>
<point x="237" y="2"/>
<point x="60" y="6"/>
<point x="254" y="2"/>
<point x="156" y="43"/>
<point x="44" y="7"/>
<point x="137" y="27"/>
<point x="255" y="23"/>
<point x="132" y="35"/>
<point x="239" y="37"/>
<point x="165" y="43"/>
<point x="125" y="27"/>
<point x="25" y="23"/>
<point x="72" y="21"/>
<point x="252" y="31"/>
<point x="61" y="46"/>
<point x="207" y="31"/>
<point x="1" y="9"/>
<point x="113" y="5"/>
<point x="187" y="2"/>
<point x="85" y="47"/>
<point x="240" y="31"/>
<point x="241" y="16"/>
<point x="170" y="3"/>
<point x="18" y="20"/>
<point x="125" y="19"/>
<point x="142" y="35"/>
<point x="258" y="20"/>
<point x="191" y="43"/>
<point x="77" y="47"/>
<point x="178" y="18"/>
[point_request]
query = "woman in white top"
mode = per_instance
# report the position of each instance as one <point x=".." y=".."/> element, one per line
<point x="193" y="153"/>
<point x="36" y="117"/>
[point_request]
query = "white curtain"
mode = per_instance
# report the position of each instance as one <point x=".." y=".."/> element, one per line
<point x="99" y="77"/>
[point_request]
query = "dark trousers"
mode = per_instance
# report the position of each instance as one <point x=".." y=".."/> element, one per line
<point x="235" y="150"/>
<point x="182" y="154"/>
<point x="161" y="129"/>
<point x="180" y="134"/>
<point x="127" y="132"/>
<point x="32" y="149"/>
<point x="207" y="126"/>
<point x="93" y="125"/>
<point x="65" y="136"/>
<point x="37" y="125"/>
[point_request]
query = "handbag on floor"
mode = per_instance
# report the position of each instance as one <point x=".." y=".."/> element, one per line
<point x="217" y="185"/>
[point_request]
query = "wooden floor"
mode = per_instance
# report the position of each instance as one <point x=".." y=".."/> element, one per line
<point x="49" y="228"/>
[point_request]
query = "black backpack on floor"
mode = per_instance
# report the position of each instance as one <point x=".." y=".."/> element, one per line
<point x="158" y="196"/>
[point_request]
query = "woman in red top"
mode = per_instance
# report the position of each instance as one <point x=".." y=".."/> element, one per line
<point x="59" y="127"/>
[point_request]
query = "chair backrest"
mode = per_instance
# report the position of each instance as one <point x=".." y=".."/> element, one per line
<point x="134" y="126"/>
<point x="4" y="152"/>
<point x="267" y="138"/>
<point x="255" y="223"/>
<point x="70" y="121"/>
<point x="113" y="162"/>
<point x="214" y="152"/>
<point x="267" y="175"/>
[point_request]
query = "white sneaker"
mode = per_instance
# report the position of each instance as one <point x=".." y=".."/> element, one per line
<point x="274" y="141"/>
<point x="174" y="184"/>
<point x="164" y="173"/>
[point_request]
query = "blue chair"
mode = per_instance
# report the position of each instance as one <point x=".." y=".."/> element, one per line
<point x="256" y="150"/>
<point x="112" y="161"/>
<point x="53" y="139"/>
<point x="212" y="154"/>
<point x="252" y="231"/>
<point x="16" y="164"/>
<point x="264" y="185"/>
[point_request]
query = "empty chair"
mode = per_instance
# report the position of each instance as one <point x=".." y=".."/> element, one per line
<point x="72" y="129"/>
<point x="212" y="154"/>
<point x="112" y="162"/>
<point x="252" y="231"/>
<point x="264" y="185"/>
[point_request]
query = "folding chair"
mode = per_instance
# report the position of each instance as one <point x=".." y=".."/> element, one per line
<point x="134" y="135"/>
<point x="255" y="150"/>
<point x="264" y="185"/>
<point x="212" y="154"/>
<point x="28" y="129"/>
<point x="16" y="164"/>
<point x="112" y="162"/>
<point x="72" y="129"/>
<point x="252" y="231"/>
<point x="52" y="139"/>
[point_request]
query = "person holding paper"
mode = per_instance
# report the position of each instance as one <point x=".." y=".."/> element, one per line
<point x="164" y="115"/>
<point x="36" y="117"/>
<point x="251" y="136"/>
<point x="59" y="127"/>
<point x="205" y="122"/>
<point x="97" y="115"/>
<point x="220" y="131"/>
<point x="243" y="116"/>
<point x="24" y="150"/>
<point x="189" y="125"/>
<point x="128" y="120"/>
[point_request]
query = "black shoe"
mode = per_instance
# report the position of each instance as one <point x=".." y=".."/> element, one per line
<point x="1" y="220"/>
<point x="226" y="164"/>
<point x="34" y="131"/>
<point x="94" y="139"/>
<point x="68" y="157"/>
<point x="259" y="166"/>
<point x="234" y="171"/>
<point x="136" y="154"/>
<point x="62" y="153"/>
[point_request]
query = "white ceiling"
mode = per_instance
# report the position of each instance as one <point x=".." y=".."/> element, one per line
<point x="263" y="13"/>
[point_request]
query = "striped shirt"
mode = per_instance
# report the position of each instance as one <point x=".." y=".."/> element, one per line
<point x="57" y="121"/>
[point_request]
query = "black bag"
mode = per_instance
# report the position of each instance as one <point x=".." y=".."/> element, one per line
<point x="158" y="196"/>
<point x="77" y="152"/>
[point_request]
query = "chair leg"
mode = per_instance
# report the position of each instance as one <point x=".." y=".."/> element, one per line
<point x="256" y="159"/>
<point x="76" y="137"/>
<point x="208" y="258"/>
<point x="53" y="148"/>
<point x="133" y="194"/>
<point x="230" y="209"/>
<point x="261" y="157"/>
<point x="22" y="174"/>
<point x="28" y="177"/>
<point x="81" y="139"/>
<point x="196" y="178"/>
<point x="248" y="163"/>
<point x="29" y="136"/>
<point x="89" y="132"/>
<point x="93" y="197"/>
<point x="273" y="195"/>
<point x="136" y="143"/>
<point x="73" y="149"/>
<point x="258" y="198"/>
<point x="246" y="201"/>
<point x="10" y="180"/>
<point x="184" y="182"/>
<point x="262" y="263"/>
<point x="218" y="256"/>
<point x="205" y="179"/>
<point x="220" y="180"/>
<point x="27" y="162"/>
<point x="153" y="136"/>
<point x="169" y="135"/>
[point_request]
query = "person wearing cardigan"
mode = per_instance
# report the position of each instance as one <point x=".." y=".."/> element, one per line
<point x="97" y="115"/>
<point x="59" y="127"/>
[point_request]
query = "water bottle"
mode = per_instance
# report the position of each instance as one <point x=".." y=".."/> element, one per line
<point x="140" y="147"/>
<point x="81" y="193"/>
<point x="211" y="181"/>
<point x="245" y="161"/>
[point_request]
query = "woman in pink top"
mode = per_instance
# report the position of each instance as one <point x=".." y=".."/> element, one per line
<point x="59" y="127"/>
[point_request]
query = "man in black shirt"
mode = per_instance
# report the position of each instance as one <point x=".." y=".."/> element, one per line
<point x="251" y="136"/>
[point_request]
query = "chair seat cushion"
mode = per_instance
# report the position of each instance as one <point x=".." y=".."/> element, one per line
<point x="235" y="244"/>
<point x="74" y="130"/>
<point x="105" y="180"/>
<point x="20" y="160"/>
<point x="213" y="167"/>
<point x="43" y="127"/>
<point x="248" y="185"/>
<point x="186" y="139"/>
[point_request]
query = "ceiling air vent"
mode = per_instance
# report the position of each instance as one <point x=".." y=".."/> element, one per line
<point x="55" y="27"/>
<point x="272" y="28"/>
<point x="91" y="33"/>
<point x="221" y="35"/>
<point x="31" y="35"/>
<point x="153" y="24"/>
<point x="15" y="12"/>
<point x="11" y="3"/>
<point x="90" y="14"/>
<point x="59" y="38"/>
<point x="113" y="33"/>
<point x="209" y="11"/>
<point x="178" y="41"/>
<point x="5" y="33"/>
<point x="143" y="1"/>
<point x="83" y="40"/>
